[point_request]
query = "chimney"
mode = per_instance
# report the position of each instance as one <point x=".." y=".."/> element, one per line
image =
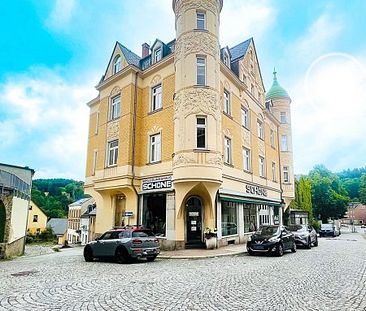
<point x="145" y="50"/>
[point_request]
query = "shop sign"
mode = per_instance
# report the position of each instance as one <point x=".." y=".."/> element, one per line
<point x="158" y="183"/>
<point x="256" y="190"/>
<point x="128" y="214"/>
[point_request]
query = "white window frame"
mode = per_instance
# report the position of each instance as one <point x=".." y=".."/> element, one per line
<point x="246" y="160"/>
<point x="227" y="103"/>
<point x="96" y="123"/>
<point x="155" y="148"/>
<point x="115" y="107"/>
<point x="201" y="65"/>
<point x="112" y="153"/>
<point x="201" y="17"/>
<point x="245" y="117"/>
<point x="286" y="174"/>
<point x="283" y="117"/>
<point x="227" y="150"/>
<point x="201" y="126"/>
<point x="262" y="167"/>
<point x="284" y="143"/>
<point x="158" y="54"/>
<point x="117" y="64"/>
<point x="156" y="97"/>
<point x="95" y="156"/>
<point x="260" y="129"/>
<point x="274" y="171"/>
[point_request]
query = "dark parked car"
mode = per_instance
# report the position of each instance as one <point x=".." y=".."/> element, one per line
<point x="328" y="230"/>
<point x="124" y="245"/>
<point x="305" y="235"/>
<point x="271" y="239"/>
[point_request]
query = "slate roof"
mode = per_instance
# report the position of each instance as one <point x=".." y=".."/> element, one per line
<point x="81" y="201"/>
<point x="130" y="56"/>
<point x="239" y="50"/>
<point x="58" y="225"/>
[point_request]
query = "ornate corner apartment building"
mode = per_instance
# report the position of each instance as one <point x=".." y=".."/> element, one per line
<point x="185" y="138"/>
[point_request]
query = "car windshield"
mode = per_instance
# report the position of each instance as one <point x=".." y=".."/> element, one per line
<point x="297" y="228"/>
<point x="142" y="234"/>
<point x="267" y="230"/>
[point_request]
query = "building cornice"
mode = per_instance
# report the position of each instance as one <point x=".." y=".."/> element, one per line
<point x="121" y="74"/>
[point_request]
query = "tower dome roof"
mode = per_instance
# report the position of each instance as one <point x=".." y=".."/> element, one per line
<point x="276" y="89"/>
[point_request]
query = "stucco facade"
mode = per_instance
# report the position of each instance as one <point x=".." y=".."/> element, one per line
<point x="182" y="138"/>
<point x="37" y="219"/>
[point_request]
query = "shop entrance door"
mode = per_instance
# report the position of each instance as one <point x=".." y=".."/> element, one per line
<point x="194" y="223"/>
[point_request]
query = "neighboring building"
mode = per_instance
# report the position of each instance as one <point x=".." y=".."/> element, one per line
<point x="298" y="217"/>
<point x="87" y="224"/>
<point x="59" y="228"/>
<point x="356" y="214"/>
<point x="15" y="195"/>
<point x="76" y="209"/>
<point x="184" y="137"/>
<point x="37" y="219"/>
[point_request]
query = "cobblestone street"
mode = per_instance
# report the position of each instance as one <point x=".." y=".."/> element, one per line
<point x="329" y="277"/>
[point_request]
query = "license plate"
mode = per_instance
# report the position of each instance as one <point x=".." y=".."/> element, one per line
<point x="258" y="246"/>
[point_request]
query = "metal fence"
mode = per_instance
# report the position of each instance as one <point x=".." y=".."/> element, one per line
<point x="11" y="182"/>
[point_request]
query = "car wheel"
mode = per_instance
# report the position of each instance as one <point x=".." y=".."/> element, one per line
<point x="279" y="250"/>
<point x="316" y="242"/>
<point x="122" y="255"/>
<point x="308" y="246"/>
<point x="293" y="249"/>
<point x="88" y="254"/>
<point x="152" y="258"/>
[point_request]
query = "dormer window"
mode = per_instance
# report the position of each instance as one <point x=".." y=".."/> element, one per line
<point x="157" y="55"/>
<point x="117" y="64"/>
<point x="226" y="59"/>
<point x="201" y="20"/>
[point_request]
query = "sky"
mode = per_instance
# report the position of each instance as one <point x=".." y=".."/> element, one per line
<point x="53" y="53"/>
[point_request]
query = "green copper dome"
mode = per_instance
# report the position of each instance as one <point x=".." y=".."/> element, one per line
<point x="276" y="90"/>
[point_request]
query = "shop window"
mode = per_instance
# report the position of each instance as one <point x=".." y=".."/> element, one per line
<point x="250" y="218"/>
<point x="264" y="215"/>
<point x="229" y="218"/>
<point x="154" y="213"/>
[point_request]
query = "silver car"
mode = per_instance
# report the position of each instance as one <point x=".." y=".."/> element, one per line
<point x="124" y="245"/>
<point x="305" y="235"/>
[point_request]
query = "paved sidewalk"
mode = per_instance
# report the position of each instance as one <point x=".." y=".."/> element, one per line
<point x="229" y="250"/>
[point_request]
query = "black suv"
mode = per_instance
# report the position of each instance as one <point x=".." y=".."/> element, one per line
<point x="271" y="239"/>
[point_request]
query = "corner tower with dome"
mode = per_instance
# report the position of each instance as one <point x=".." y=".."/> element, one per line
<point x="281" y="102"/>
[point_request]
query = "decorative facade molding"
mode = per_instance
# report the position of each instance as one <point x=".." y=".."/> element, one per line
<point x="245" y="138"/>
<point x="182" y="158"/>
<point x="196" y="100"/>
<point x="115" y="91"/>
<point x="215" y="160"/>
<point x="261" y="147"/>
<point x="180" y="6"/>
<point x="227" y="133"/>
<point x="154" y="130"/>
<point x="155" y="80"/>
<point x="113" y="130"/>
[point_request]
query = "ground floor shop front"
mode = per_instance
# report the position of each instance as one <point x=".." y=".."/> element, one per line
<point x="179" y="214"/>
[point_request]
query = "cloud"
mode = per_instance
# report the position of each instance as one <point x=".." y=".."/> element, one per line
<point x="46" y="122"/>
<point x="241" y="20"/>
<point x="61" y="14"/>
<point x="329" y="114"/>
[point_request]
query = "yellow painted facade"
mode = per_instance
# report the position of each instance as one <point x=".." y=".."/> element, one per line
<point x="37" y="219"/>
<point x="165" y="171"/>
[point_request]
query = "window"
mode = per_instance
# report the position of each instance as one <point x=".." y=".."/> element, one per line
<point x="154" y="213"/>
<point x="284" y="146"/>
<point x="260" y="129"/>
<point x="286" y="175"/>
<point x="201" y="132"/>
<point x="117" y="64"/>
<point x="262" y="168"/>
<point x="263" y="212"/>
<point x="112" y="153"/>
<point x="201" y="20"/>
<point x="227" y="108"/>
<point x="157" y="55"/>
<point x="250" y="217"/>
<point x="30" y="207"/>
<point x="246" y="159"/>
<point x="229" y="218"/>
<point x="96" y="122"/>
<point x="95" y="155"/>
<point x="155" y="148"/>
<point x="201" y="71"/>
<point x="114" y="112"/>
<point x="283" y="117"/>
<point x="273" y="171"/>
<point x="245" y="117"/>
<point x="272" y="138"/>
<point x="35" y="218"/>
<point x="227" y="151"/>
<point x="156" y="98"/>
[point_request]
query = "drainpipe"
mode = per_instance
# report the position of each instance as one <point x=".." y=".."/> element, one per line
<point x="134" y="148"/>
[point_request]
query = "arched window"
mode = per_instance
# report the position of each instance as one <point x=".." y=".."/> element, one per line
<point x="117" y="64"/>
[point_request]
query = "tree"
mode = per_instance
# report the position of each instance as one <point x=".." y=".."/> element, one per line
<point x="329" y="198"/>
<point x="362" y="192"/>
<point x="303" y="196"/>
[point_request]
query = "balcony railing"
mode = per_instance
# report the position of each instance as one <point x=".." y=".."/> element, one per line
<point x="12" y="183"/>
